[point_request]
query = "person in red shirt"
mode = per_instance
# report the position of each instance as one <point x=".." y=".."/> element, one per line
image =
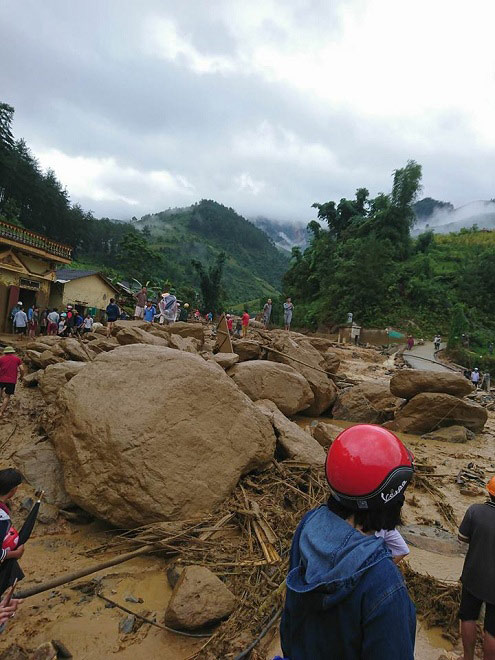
<point x="245" y="323"/>
<point x="11" y="368"/>
<point x="230" y="323"/>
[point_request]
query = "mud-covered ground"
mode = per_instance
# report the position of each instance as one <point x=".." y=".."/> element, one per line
<point x="90" y="629"/>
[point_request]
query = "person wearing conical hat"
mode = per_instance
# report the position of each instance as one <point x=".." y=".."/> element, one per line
<point x="478" y="574"/>
<point x="11" y="368"/>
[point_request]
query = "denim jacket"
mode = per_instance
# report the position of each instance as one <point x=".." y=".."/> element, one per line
<point x="346" y="599"/>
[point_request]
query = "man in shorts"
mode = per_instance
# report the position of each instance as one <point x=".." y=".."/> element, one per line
<point x="478" y="575"/>
<point x="141" y="299"/>
<point x="11" y="368"/>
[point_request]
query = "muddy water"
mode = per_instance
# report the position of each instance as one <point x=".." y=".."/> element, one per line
<point x="82" y="621"/>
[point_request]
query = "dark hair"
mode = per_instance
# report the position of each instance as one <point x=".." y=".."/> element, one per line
<point x="9" y="479"/>
<point x="112" y="300"/>
<point x="387" y="517"/>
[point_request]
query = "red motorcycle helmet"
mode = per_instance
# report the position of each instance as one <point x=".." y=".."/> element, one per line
<point x="368" y="467"/>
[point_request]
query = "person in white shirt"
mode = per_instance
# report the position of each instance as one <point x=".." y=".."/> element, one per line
<point x="395" y="543"/>
<point x="20" y="322"/>
<point x="88" y="324"/>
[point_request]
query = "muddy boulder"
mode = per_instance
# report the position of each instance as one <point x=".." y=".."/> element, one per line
<point x="261" y="379"/>
<point x="450" y="434"/>
<point x="310" y="364"/>
<point x="56" y="376"/>
<point x="226" y="360"/>
<point x="324" y="433"/>
<point x="188" y="344"/>
<point x="41" y="468"/>
<point x="76" y="350"/>
<point x="160" y="435"/>
<point x="135" y="335"/>
<point x="429" y="410"/>
<point x="247" y="349"/>
<point x="406" y="383"/>
<point x="369" y="403"/>
<point x="183" y="329"/>
<point x="199" y="599"/>
<point x="293" y="442"/>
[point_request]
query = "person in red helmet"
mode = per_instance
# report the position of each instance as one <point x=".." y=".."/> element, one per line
<point x="345" y="597"/>
<point x="478" y="575"/>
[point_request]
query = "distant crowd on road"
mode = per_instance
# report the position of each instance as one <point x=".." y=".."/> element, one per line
<point x="64" y="323"/>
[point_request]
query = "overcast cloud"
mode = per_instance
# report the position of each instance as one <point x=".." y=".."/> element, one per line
<point x="266" y="106"/>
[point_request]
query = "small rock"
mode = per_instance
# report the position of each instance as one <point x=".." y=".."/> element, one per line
<point x="226" y="360"/>
<point x="32" y="379"/>
<point x="454" y="433"/>
<point x="472" y="491"/>
<point x="45" y="651"/>
<point x="324" y="433"/>
<point x="173" y="575"/>
<point x="62" y="650"/>
<point x="126" y="625"/>
<point x="199" y="599"/>
<point x="132" y="599"/>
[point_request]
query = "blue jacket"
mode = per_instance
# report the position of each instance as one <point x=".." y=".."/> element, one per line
<point x="346" y="599"/>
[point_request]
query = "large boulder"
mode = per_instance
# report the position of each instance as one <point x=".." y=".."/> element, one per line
<point x="102" y="345"/>
<point x="183" y="329"/>
<point x="226" y="360"/>
<point x="134" y="335"/>
<point x="41" y="468"/>
<point x="56" y="376"/>
<point x="261" y="379"/>
<point x="406" y="383"/>
<point x="310" y="364"/>
<point x="47" y="358"/>
<point x="367" y="403"/>
<point x="292" y="441"/>
<point x="125" y="325"/>
<point x="324" y="432"/>
<point x="199" y="599"/>
<point x="331" y="361"/>
<point x="430" y="410"/>
<point x="188" y="344"/>
<point x="159" y="434"/>
<point x="34" y="358"/>
<point x="247" y="349"/>
<point x="76" y="350"/>
<point x="33" y="378"/>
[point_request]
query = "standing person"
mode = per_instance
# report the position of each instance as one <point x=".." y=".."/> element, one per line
<point x="79" y="323"/>
<point x="345" y="597"/>
<point x="70" y="320"/>
<point x="267" y="312"/>
<point x="230" y="323"/>
<point x="475" y="377"/>
<point x="149" y="312"/>
<point x="288" y="310"/>
<point x="53" y="318"/>
<point x="20" y="322"/>
<point x="88" y="323"/>
<point x="30" y="312"/>
<point x="410" y="343"/>
<point x="44" y="321"/>
<point x="238" y="328"/>
<point x="168" y="308"/>
<point x="184" y="312"/>
<point x="141" y="298"/>
<point x="13" y="312"/>
<point x="437" y="341"/>
<point x="478" y="575"/>
<point x="62" y="325"/>
<point x="486" y="381"/>
<point x="11" y="368"/>
<point x="245" y="323"/>
<point x="34" y="322"/>
<point x="113" y="313"/>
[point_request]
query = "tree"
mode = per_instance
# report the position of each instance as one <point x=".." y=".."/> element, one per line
<point x="137" y="259"/>
<point x="210" y="283"/>
<point x="458" y="326"/>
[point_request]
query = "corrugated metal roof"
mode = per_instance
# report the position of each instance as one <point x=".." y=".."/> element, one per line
<point x="68" y="274"/>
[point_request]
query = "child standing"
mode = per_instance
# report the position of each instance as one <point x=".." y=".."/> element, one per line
<point x="245" y="323"/>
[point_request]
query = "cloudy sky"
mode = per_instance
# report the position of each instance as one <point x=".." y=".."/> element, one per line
<point x="263" y="105"/>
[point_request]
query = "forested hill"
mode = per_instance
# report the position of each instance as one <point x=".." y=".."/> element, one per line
<point x="363" y="259"/>
<point x="157" y="248"/>
<point x="254" y="266"/>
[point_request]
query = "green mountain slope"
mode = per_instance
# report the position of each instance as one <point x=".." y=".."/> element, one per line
<point x="254" y="266"/>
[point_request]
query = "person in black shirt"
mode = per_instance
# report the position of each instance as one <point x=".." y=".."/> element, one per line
<point x="113" y="313"/>
<point x="478" y="575"/>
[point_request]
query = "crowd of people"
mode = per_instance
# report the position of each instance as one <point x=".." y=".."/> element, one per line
<point x="34" y="322"/>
